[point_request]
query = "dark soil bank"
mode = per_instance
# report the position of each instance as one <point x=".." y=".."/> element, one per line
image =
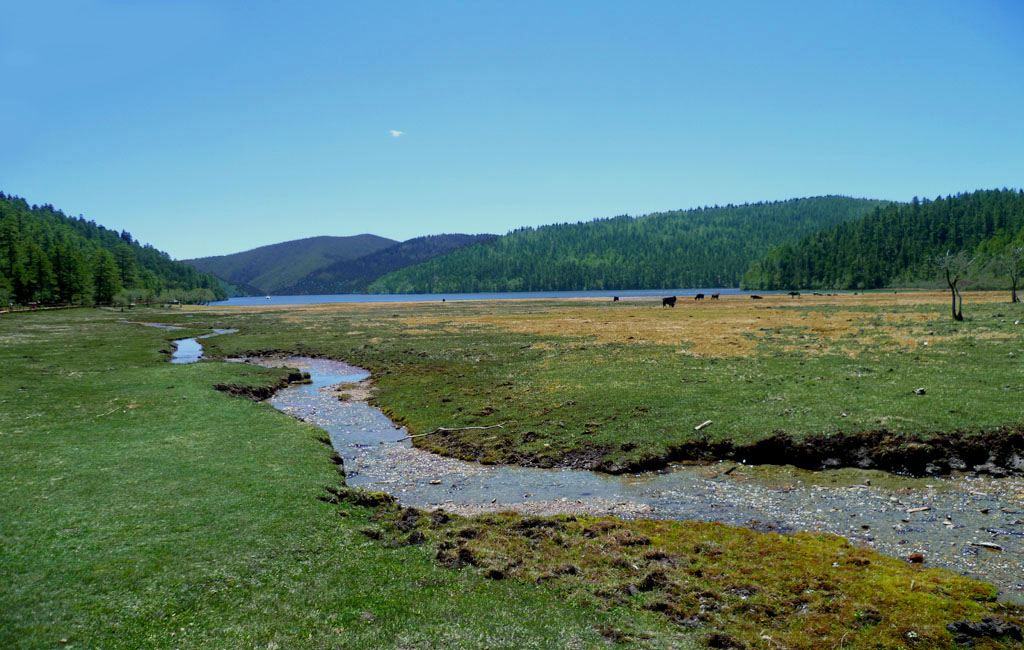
<point x="260" y="393"/>
<point x="999" y="452"/>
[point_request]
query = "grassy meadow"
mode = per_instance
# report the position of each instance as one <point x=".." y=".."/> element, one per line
<point x="142" y="508"/>
<point x="614" y="385"/>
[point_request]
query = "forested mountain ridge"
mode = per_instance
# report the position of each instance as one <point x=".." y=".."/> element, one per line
<point x="354" y="276"/>
<point x="272" y="268"/>
<point x="894" y="244"/>
<point x="703" y="247"/>
<point x="49" y="257"/>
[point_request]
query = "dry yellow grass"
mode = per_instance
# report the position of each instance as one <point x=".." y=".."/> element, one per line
<point x="731" y="326"/>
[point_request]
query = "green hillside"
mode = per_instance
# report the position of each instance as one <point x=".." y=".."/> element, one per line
<point x="354" y="276"/>
<point x="705" y="247"/>
<point x="895" y="244"/>
<point x="49" y="257"/>
<point x="270" y="269"/>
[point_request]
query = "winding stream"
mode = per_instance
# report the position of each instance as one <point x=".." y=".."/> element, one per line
<point x="191" y="350"/>
<point x="970" y="524"/>
<point x="188" y="350"/>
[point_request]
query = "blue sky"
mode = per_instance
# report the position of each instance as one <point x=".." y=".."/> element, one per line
<point x="207" y="128"/>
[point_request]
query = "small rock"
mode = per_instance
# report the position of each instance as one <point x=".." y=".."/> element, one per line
<point x="990" y="545"/>
<point x="921" y="509"/>
<point x="991" y="469"/>
<point x="435" y="482"/>
<point x="916" y="558"/>
<point x="990" y="626"/>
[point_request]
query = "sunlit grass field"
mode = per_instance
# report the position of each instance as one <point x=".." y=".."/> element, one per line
<point x="143" y="508"/>
<point x="624" y="383"/>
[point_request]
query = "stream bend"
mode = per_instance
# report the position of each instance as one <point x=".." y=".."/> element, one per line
<point x="953" y="520"/>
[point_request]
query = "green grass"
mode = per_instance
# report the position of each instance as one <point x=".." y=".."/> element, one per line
<point x="142" y="508"/>
<point x="562" y="398"/>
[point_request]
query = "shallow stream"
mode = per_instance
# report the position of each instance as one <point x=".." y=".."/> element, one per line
<point x="187" y="350"/>
<point x="969" y="524"/>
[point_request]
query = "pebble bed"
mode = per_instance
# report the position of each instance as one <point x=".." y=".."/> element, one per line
<point x="973" y="525"/>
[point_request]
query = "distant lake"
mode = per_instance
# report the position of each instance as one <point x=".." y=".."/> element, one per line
<point x="512" y="295"/>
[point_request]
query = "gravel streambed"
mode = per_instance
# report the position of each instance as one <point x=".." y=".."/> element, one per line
<point x="973" y="525"/>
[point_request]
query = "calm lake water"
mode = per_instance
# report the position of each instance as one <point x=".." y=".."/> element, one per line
<point x="437" y="297"/>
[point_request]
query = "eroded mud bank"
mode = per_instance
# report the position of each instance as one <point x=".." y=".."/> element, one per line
<point x="999" y="452"/>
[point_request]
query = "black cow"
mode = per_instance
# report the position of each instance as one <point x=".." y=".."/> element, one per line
<point x="699" y="296"/>
<point x="670" y="301"/>
<point x="714" y="296"/>
<point x="755" y="297"/>
<point x="615" y="299"/>
<point x="794" y="294"/>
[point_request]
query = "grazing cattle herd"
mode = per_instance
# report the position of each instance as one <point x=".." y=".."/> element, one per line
<point x="670" y="301"/>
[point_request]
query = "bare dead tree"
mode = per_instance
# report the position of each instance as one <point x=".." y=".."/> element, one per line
<point x="954" y="267"/>
<point x="1012" y="263"/>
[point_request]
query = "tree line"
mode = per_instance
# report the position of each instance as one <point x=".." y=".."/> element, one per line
<point x="704" y="247"/>
<point x="47" y="257"/>
<point x="901" y="244"/>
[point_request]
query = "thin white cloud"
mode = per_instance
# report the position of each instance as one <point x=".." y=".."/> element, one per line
<point x="396" y="134"/>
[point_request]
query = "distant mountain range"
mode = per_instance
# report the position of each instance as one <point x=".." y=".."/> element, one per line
<point x="817" y="242"/>
<point x="326" y="265"/>
<point x="268" y="269"/>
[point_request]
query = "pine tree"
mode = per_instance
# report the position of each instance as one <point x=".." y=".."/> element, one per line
<point x="105" y="279"/>
<point x="6" y="291"/>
